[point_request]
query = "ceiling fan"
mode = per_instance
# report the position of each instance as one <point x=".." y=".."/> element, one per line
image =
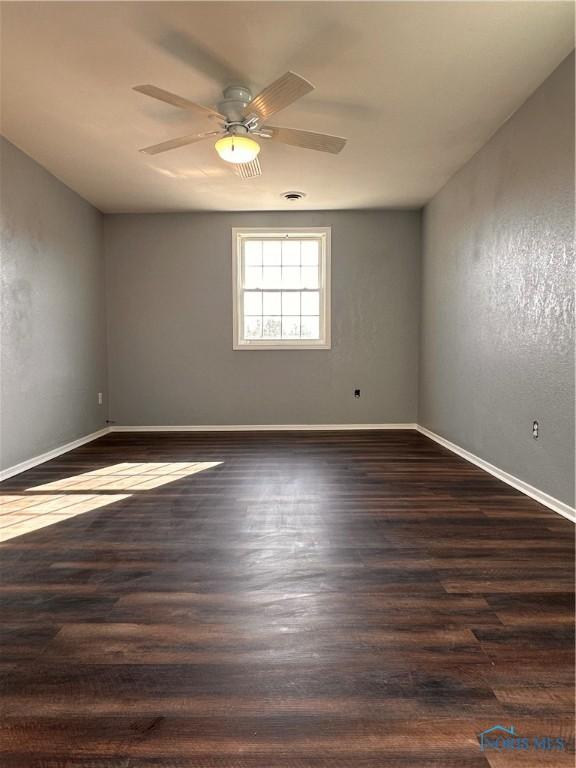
<point x="241" y="117"/>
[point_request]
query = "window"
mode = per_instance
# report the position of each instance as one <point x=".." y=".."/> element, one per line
<point x="281" y="288"/>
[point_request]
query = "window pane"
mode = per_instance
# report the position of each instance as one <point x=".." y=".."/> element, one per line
<point x="290" y="327"/>
<point x="272" y="327"/>
<point x="310" y="327"/>
<point x="253" y="303"/>
<point x="252" y="327"/>
<point x="309" y="253"/>
<point x="310" y="303"/>
<point x="280" y="283"/>
<point x="309" y="277"/>
<point x="291" y="253"/>
<point x="291" y="277"/>
<point x="272" y="277"/>
<point x="272" y="253"/>
<point x="252" y="277"/>
<point x="271" y="303"/>
<point x="290" y="303"/>
<point x="253" y="253"/>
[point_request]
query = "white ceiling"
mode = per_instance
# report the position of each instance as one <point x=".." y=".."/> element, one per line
<point x="416" y="87"/>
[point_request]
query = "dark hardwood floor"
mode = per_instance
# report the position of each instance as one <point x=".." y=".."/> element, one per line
<point x="314" y="600"/>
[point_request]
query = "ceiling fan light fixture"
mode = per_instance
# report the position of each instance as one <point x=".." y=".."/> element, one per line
<point x="237" y="149"/>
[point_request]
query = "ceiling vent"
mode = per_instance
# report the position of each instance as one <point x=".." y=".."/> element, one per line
<point x="292" y="197"/>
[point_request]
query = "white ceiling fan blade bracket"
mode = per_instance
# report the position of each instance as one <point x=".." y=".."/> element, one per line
<point x="251" y="122"/>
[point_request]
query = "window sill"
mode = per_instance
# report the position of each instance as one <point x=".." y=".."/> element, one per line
<point x="243" y="346"/>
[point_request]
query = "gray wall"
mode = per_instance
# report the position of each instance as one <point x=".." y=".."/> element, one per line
<point x="170" y="324"/>
<point x="52" y="328"/>
<point x="495" y="317"/>
<point x="497" y="304"/>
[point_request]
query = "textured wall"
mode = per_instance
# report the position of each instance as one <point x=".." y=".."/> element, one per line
<point x="170" y="324"/>
<point x="498" y="302"/>
<point x="52" y="325"/>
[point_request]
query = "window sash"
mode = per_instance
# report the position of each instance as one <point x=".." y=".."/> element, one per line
<point x="240" y="239"/>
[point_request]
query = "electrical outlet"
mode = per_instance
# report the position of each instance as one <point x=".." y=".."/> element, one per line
<point x="100" y="398"/>
<point x="356" y="393"/>
<point x="535" y="427"/>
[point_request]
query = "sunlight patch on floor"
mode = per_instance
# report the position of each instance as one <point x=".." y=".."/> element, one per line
<point x="24" y="514"/>
<point x="128" y="476"/>
<point x="21" y="513"/>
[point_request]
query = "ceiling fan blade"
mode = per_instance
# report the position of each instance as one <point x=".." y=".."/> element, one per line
<point x="182" y="141"/>
<point x="278" y="95"/>
<point x="176" y="101"/>
<point x="248" y="170"/>
<point x="321" y="142"/>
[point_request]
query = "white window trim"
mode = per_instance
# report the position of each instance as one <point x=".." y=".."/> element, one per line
<point x="238" y="234"/>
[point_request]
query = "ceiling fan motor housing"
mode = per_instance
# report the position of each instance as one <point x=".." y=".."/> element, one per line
<point x="236" y="99"/>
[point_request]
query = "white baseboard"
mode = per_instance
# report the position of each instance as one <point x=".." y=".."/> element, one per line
<point x="262" y="427"/>
<point x="529" y="490"/>
<point x="35" y="460"/>
<point x="549" y="501"/>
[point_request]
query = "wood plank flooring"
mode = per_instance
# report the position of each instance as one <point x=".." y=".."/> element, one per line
<point x="303" y="600"/>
